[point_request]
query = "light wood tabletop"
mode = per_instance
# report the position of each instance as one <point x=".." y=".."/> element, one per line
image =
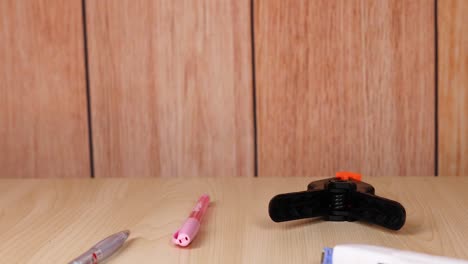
<point x="53" y="221"/>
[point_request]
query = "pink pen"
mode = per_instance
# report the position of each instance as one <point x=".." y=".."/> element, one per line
<point x="189" y="230"/>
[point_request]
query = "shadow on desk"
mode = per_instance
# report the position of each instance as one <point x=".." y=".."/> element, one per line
<point x="269" y="224"/>
<point x="410" y="227"/>
<point x="127" y="245"/>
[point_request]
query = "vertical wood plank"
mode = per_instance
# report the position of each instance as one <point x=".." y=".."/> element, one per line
<point x="345" y="85"/>
<point x="453" y="87"/>
<point x="171" y="87"/>
<point x="43" y="116"/>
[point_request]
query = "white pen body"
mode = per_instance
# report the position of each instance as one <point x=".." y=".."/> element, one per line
<point x="367" y="254"/>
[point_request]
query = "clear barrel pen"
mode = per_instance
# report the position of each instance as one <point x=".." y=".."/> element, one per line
<point x="103" y="249"/>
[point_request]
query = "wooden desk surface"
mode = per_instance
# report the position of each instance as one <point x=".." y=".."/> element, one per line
<point x="52" y="221"/>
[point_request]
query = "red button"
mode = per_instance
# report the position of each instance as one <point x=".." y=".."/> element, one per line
<point x="346" y="175"/>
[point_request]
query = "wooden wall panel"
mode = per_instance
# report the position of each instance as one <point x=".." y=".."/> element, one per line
<point x="453" y="87"/>
<point x="345" y="85"/>
<point x="43" y="117"/>
<point x="171" y="87"/>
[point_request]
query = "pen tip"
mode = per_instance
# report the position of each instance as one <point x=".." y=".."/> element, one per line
<point x="126" y="232"/>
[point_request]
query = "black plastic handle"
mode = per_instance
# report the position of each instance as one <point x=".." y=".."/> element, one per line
<point x="298" y="205"/>
<point x="378" y="210"/>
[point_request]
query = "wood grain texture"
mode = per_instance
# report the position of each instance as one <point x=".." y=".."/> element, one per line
<point x="53" y="221"/>
<point x="171" y="87"/>
<point x="43" y="116"/>
<point x="453" y="87"/>
<point x="345" y="85"/>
